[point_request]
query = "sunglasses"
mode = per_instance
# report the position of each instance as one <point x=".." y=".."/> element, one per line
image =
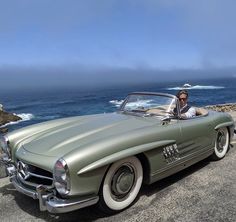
<point x="184" y="99"/>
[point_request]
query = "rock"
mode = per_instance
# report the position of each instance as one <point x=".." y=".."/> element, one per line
<point x="223" y="107"/>
<point x="6" y="117"/>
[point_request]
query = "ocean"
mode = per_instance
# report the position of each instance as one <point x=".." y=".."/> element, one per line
<point x="36" y="106"/>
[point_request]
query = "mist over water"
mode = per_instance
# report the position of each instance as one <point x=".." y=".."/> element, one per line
<point x="86" y="78"/>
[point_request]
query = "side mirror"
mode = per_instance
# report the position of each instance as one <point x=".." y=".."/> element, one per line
<point x="166" y="120"/>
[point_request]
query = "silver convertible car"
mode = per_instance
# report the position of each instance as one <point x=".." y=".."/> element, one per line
<point x="104" y="159"/>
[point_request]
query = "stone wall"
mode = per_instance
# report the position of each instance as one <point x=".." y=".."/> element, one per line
<point x="229" y="107"/>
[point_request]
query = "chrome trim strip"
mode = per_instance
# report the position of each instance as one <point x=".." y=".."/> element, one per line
<point x="22" y="189"/>
<point x="32" y="184"/>
<point x="40" y="176"/>
<point x="55" y="205"/>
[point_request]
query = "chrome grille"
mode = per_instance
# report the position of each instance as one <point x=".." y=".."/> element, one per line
<point x="33" y="176"/>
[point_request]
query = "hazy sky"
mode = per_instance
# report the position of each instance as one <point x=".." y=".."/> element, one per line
<point x="94" y="42"/>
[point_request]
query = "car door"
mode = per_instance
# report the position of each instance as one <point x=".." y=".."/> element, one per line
<point x="192" y="138"/>
<point x="163" y="159"/>
<point x="196" y="136"/>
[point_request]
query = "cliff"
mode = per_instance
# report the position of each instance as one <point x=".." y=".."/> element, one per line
<point x="5" y="118"/>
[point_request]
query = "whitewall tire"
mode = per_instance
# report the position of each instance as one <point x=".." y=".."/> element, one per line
<point x="121" y="184"/>
<point x="221" y="143"/>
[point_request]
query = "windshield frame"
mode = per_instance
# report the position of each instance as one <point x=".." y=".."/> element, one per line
<point x="121" y="109"/>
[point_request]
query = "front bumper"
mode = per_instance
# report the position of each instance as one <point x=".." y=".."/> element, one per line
<point x="47" y="198"/>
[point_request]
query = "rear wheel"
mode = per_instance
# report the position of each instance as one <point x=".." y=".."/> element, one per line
<point x="221" y="143"/>
<point x="121" y="185"/>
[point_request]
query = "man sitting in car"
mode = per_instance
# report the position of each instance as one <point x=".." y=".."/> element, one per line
<point x="185" y="110"/>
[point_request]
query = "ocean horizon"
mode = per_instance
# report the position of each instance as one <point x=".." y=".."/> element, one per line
<point x="35" y="106"/>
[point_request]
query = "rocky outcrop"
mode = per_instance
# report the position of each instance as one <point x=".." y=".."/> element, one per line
<point x="5" y="118"/>
<point x="229" y="107"/>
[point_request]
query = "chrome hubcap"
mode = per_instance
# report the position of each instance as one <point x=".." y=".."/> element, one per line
<point x="122" y="181"/>
<point x="221" y="141"/>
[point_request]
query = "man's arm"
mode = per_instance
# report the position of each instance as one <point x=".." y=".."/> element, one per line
<point x="191" y="113"/>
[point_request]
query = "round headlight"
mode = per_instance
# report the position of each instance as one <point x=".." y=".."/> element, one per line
<point x="61" y="177"/>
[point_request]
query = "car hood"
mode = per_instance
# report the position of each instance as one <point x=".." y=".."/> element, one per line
<point x="65" y="136"/>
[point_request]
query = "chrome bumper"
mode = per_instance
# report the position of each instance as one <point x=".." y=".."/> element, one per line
<point x="47" y="199"/>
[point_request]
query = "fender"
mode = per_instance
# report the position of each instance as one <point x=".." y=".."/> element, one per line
<point x="231" y="123"/>
<point x="123" y="154"/>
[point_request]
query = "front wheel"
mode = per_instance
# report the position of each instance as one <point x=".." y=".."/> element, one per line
<point x="221" y="143"/>
<point x="121" y="185"/>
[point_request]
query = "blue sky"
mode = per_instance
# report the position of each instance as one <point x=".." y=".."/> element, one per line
<point x="95" y="42"/>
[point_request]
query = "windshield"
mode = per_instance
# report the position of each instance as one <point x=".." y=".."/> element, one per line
<point x="149" y="104"/>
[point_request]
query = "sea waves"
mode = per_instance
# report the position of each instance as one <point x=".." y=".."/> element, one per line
<point x="195" y="87"/>
<point x="117" y="103"/>
<point x="24" y="117"/>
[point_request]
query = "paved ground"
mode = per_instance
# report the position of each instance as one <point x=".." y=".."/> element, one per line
<point x="203" y="192"/>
